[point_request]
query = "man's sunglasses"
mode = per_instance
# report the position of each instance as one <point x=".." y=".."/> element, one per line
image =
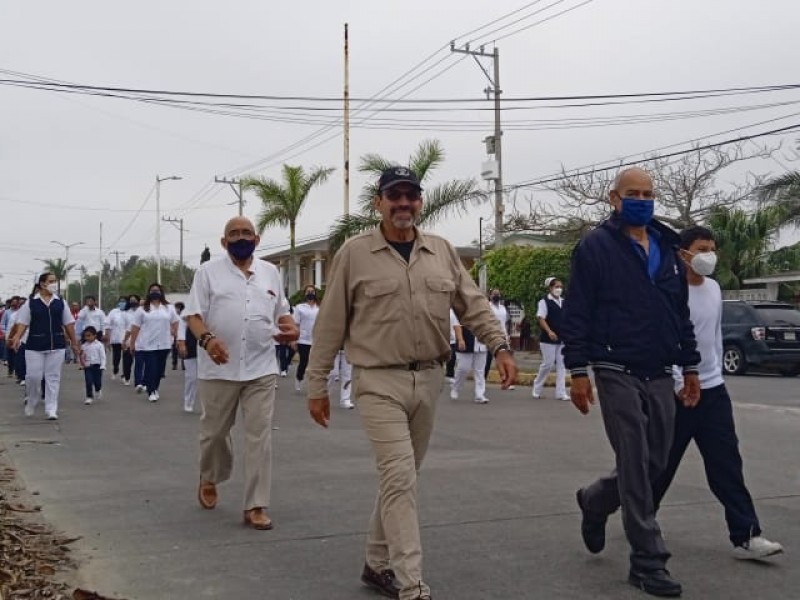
<point x="395" y="195"/>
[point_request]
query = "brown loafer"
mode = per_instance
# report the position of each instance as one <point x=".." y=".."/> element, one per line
<point x="207" y="494"/>
<point x="257" y="518"/>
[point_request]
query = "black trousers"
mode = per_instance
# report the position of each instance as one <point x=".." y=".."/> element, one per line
<point x="20" y="366"/>
<point x="155" y="361"/>
<point x="10" y="358"/>
<point x="488" y="364"/>
<point x="116" y="356"/>
<point x="127" y="363"/>
<point x="303" y="350"/>
<point x="710" y="424"/>
<point x="639" y="418"/>
<point x="93" y="377"/>
<point x="285" y="355"/>
<point x="450" y="370"/>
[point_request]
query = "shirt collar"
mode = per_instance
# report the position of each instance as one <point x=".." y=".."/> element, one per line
<point x="235" y="267"/>
<point x="378" y="241"/>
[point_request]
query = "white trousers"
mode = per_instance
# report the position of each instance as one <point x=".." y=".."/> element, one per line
<point x="552" y="356"/>
<point x="344" y="371"/>
<point x="45" y="364"/>
<point x="189" y="383"/>
<point x="475" y="362"/>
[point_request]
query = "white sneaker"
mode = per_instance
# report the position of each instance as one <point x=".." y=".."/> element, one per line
<point x="482" y="400"/>
<point x="564" y="398"/>
<point x="98" y="394"/>
<point x="450" y="380"/>
<point x="29" y="410"/>
<point x="283" y="373"/>
<point x="454" y="394"/>
<point x="186" y="409"/>
<point x="153" y="397"/>
<point x="511" y="387"/>
<point x="52" y="417"/>
<point x="756" y="548"/>
<point x="23" y="383"/>
<point x="126" y="382"/>
<point x="113" y="377"/>
<point x="140" y="389"/>
<point x="88" y="401"/>
<point x="536" y="396"/>
<point x="297" y="385"/>
<point x="347" y="405"/>
<point x="158" y="396"/>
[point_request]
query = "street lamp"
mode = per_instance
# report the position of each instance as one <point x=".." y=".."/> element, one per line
<point x="66" y="264"/>
<point x="158" y="221"/>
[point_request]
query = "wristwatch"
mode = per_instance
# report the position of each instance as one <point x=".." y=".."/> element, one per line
<point x="501" y="347"/>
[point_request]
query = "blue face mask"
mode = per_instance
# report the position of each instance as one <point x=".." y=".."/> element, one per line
<point x="121" y="305"/>
<point x="241" y="249"/>
<point x="636" y="212"/>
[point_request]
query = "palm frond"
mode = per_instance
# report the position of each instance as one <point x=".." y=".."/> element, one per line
<point x="317" y="176"/>
<point x="271" y="216"/>
<point x="348" y="226"/>
<point x="788" y="183"/>
<point x="452" y="197"/>
<point x="427" y="157"/>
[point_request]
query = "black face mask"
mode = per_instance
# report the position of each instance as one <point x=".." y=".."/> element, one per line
<point x="496" y="298"/>
<point x="154" y="295"/>
<point x="134" y="305"/>
<point x="242" y="249"/>
<point x="311" y="296"/>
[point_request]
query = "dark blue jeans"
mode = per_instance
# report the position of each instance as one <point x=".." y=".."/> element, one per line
<point x="710" y="424"/>
<point x="93" y="376"/>
<point x="154" y="363"/>
<point x="138" y="368"/>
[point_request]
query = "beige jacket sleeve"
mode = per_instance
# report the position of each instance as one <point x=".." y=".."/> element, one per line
<point x="331" y="325"/>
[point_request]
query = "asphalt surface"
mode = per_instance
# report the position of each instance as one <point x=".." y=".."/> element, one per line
<point x="496" y="499"/>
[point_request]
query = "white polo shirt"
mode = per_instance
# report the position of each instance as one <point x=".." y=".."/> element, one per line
<point x="241" y="311"/>
<point x="305" y="315"/>
<point x="96" y="318"/>
<point x="154" y="327"/>
<point x="116" y="323"/>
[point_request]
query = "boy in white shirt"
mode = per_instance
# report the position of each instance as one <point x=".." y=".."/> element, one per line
<point x="93" y="361"/>
<point x="710" y="422"/>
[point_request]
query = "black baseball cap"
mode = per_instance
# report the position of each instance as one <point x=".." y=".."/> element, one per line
<point x="395" y="175"/>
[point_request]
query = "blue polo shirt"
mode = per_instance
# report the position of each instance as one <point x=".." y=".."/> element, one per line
<point x="653" y="259"/>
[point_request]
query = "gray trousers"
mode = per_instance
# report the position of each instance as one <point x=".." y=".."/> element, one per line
<point x="639" y="418"/>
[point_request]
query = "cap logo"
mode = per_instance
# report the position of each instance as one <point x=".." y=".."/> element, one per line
<point x="402" y="172"/>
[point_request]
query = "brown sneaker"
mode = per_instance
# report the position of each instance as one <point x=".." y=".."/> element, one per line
<point x="207" y="494"/>
<point x="257" y="518"/>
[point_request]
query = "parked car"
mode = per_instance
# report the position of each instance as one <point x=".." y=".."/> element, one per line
<point x="763" y="333"/>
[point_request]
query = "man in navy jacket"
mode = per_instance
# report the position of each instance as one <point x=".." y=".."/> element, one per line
<point x="628" y="318"/>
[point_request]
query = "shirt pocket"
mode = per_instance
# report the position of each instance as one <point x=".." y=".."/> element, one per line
<point x="439" y="296"/>
<point x="381" y="302"/>
<point x="260" y="306"/>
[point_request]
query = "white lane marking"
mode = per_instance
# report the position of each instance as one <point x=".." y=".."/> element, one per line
<point x="788" y="410"/>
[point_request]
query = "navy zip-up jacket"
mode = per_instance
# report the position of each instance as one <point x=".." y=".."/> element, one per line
<point x="617" y="317"/>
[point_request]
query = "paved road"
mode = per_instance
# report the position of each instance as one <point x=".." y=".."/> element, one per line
<point x="497" y="500"/>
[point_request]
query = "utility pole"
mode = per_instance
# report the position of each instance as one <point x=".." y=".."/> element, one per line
<point x="158" y="221"/>
<point x="116" y="254"/>
<point x="346" y="121"/>
<point x="236" y="186"/>
<point x="100" y="273"/>
<point x="494" y="89"/>
<point x="180" y="260"/>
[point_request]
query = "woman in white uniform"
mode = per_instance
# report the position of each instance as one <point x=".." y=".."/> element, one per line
<point x="48" y="322"/>
<point x="549" y="316"/>
<point x="154" y="326"/>
<point x="305" y="315"/>
<point x="470" y="356"/>
<point x="115" y="333"/>
<point x="131" y="307"/>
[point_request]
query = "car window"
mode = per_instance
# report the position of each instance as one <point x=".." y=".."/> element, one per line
<point x="781" y="317"/>
<point x="735" y="313"/>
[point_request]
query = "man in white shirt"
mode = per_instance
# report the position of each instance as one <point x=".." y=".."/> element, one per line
<point x="91" y="315"/>
<point x="710" y="423"/>
<point x="236" y="310"/>
<point x="501" y="314"/>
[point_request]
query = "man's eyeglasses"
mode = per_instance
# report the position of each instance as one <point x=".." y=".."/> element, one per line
<point x="395" y="195"/>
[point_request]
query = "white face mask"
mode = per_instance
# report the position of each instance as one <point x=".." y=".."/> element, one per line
<point x="557" y="292"/>
<point x="52" y="288"/>
<point x="704" y="263"/>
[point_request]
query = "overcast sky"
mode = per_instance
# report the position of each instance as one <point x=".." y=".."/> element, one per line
<point x="69" y="162"/>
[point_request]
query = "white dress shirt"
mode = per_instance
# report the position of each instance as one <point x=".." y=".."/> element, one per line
<point x="116" y="323"/>
<point x="96" y="318"/>
<point x="241" y="311"/>
<point x="305" y="315"/>
<point x="94" y="353"/>
<point x="154" y="327"/>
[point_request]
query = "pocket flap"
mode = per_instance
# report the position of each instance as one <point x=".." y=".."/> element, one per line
<point x="439" y="284"/>
<point x="374" y="289"/>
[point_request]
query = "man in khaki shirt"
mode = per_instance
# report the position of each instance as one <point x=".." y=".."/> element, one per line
<point x="388" y="303"/>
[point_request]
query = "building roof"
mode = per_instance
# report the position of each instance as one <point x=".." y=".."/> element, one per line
<point x="317" y="246"/>
<point x="784" y="277"/>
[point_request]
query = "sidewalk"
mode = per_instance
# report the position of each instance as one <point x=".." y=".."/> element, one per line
<point x="496" y="501"/>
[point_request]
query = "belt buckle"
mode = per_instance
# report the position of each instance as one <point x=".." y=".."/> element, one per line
<point x="413" y="366"/>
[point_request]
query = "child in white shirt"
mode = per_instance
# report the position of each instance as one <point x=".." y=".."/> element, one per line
<point x="93" y="361"/>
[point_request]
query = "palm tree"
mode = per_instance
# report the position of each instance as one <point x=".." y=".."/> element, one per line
<point x="784" y="192"/>
<point x="440" y="200"/>
<point x="282" y="202"/>
<point x="59" y="268"/>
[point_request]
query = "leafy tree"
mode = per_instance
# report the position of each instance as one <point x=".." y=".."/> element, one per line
<point x="282" y="202"/>
<point x="440" y="200"/>
<point x="519" y="271"/>
<point x="59" y="268"/>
